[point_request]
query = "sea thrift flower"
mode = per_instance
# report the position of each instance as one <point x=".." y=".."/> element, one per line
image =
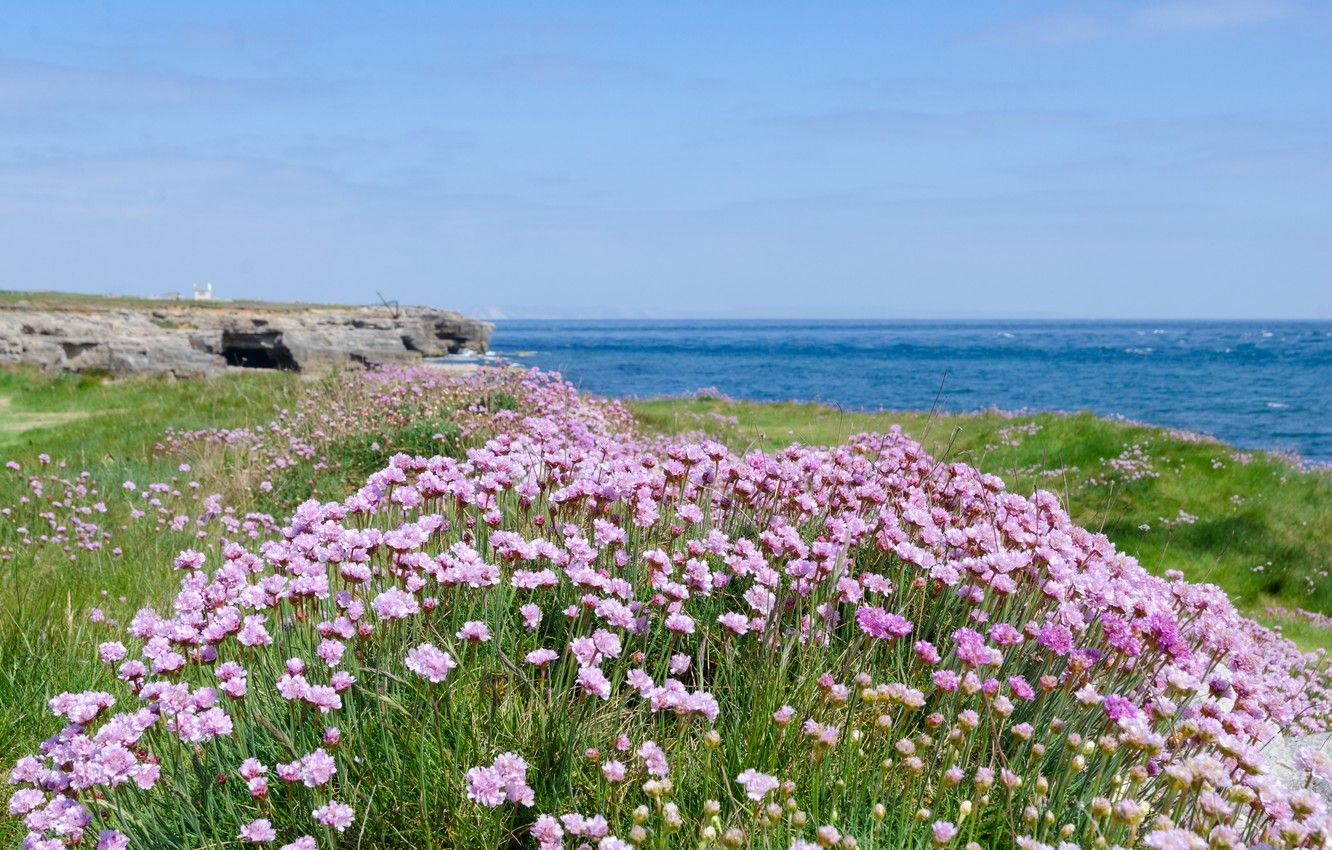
<point x="474" y="631"/>
<point x="654" y="760"/>
<point x="683" y="559"/>
<point x="735" y="623"/>
<point x="317" y="768"/>
<point x="333" y="814"/>
<point x="541" y="657"/>
<point x="394" y="604"/>
<point x="531" y="614"/>
<point x="757" y="785"/>
<point x="1056" y="638"/>
<point x="258" y="832"/>
<point x="942" y="832"/>
<point x="594" y="682"/>
<point x="429" y="662"/>
<point x="970" y="647"/>
<point x="505" y="779"/>
<point x="878" y="623"/>
<point x="926" y="652"/>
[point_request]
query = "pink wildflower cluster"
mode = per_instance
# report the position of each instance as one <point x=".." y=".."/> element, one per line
<point x="860" y="637"/>
<point x="504" y="780"/>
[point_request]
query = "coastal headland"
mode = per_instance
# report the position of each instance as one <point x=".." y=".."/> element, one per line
<point x="132" y="336"/>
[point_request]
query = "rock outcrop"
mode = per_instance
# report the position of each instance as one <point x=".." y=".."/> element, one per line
<point x="190" y="340"/>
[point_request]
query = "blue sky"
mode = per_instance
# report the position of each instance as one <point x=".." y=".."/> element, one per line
<point x="960" y="159"/>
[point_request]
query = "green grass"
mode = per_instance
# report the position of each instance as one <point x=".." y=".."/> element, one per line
<point x="109" y="429"/>
<point x="1282" y="519"/>
<point x="79" y="301"/>
<point x="1264" y="513"/>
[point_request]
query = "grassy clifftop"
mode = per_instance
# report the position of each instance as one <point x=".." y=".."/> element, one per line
<point x="79" y="301"/>
<point x="1249" y="522"/>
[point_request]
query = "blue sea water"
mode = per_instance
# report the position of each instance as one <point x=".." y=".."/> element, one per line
<point x="1265" y="385"/>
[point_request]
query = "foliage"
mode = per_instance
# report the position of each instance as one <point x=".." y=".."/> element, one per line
<point x="563" y="632"/>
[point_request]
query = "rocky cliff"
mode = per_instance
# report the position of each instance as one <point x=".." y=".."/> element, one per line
<point x="189" y="339"/>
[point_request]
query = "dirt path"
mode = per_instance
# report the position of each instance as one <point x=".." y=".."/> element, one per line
<point x="14" y="423"/>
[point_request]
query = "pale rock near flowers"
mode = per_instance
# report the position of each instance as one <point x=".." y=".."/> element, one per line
<point x="185" y="340"/>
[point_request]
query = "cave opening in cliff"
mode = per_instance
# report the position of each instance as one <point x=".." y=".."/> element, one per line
<point x="257" y="350"/>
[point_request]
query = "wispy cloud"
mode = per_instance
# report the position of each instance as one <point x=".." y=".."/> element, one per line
<point x="46" y="86"/>
<point x="1177" y="16"/>
<point x="888" y="123"/>
<point x="542" y="70"/>
<point x="1186" y="15"/>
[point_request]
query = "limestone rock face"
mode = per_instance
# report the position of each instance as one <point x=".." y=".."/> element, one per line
<point x="191" y="341"/>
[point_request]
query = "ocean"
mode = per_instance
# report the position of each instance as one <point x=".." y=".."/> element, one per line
<point x="1262" y="385"/>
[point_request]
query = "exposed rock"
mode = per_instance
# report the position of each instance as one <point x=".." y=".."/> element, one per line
<point x="188" y="341"/>
<point x="1282" y="756"/>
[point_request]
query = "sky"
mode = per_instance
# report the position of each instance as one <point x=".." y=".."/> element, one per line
<point x="685" y="159"/>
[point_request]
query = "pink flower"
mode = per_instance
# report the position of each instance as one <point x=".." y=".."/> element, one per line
<point x="1021" y="688"/>
<point x="25" y="800"/>
<point x="531" y="614"/>
<point x="734" y="622"/>
<point x="1056" y="638"/>
<point x="942" y="832"/>
<point x="614" y="771"/>
<point x="111" y="651"/>
<point x="474" y="631"/>
<point x="394" y="604"/>
<point x="330" y="652"/>
<point x="504" y="779"/>
<point x="594" y="682"/>
<point x="110" y="839"/>
<point x="251" y="768"/>
<point x="971" y="648"/>
<point x="654" y="760"/>
<point x="1117" y="707"/>
<point x="317" y="768"/>
<point x="541" y="657"/>
<point x="945" y="680"/>
<point x="680" y="623"/>
<point x="258" y="832"/>
<point x="485" y="786"/>
<point x="757" y="785"/>
<point x="188" y="560"/>
<point x="430" y="662"/>
<point x="337" y="815"/>
<point x="341" y="681"/>
<point x="253" y="632"/>
<point x="878" y="623"/>
<point x="547" y="831"/>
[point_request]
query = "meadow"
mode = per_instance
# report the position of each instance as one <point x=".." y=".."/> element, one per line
<point x="409" y="609"/>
